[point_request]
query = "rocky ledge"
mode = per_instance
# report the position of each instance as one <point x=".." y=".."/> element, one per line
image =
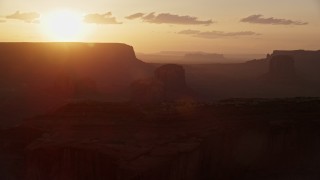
<point x="233" y="139"/>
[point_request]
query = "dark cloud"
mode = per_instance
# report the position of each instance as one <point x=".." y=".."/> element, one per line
<point x="135" y="16"/>
<point x="28" y="17"/>
<point x="167" y="18"/>
<point x="105" y="18"/>
<point x="149" y="17"/>
<point x="216" y="34"/>
<point x="259" y="19"/>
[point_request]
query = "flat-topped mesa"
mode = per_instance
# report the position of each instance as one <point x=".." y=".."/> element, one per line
<point x="116" y="51"/>
<point x="66" y="51"/>
<point x="100" y="61"/>
<point x="78" y="59"/>
<point x="54" y="73"/>
<point x="299" y="54"/>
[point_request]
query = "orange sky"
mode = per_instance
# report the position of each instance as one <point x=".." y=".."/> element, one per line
<point x="246" y="26"/>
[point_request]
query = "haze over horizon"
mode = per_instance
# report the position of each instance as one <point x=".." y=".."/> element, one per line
<point x="159" y="90"/>
<point x="253" y="27"/>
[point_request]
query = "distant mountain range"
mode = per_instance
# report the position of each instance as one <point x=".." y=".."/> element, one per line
<point x="195" y="57"/>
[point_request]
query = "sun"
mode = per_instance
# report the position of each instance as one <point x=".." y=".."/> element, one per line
<point x="63" y="26"/>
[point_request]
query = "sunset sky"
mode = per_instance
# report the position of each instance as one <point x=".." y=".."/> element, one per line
<point x="220" y="26"/>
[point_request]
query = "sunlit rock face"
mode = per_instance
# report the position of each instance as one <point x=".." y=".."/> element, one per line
<point x="169" y="84"/>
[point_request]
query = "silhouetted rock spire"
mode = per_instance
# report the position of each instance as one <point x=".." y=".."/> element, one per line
<point x="169" y="85"/>
<point x="172" y="76"/>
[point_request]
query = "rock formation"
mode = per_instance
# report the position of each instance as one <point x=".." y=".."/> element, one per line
<point x="172" y="76"/>
<point x="86" y="88"/>
<point x="299" y="55"/>
<point x="169" y="84"/>
<point x="43" y="76"/>
<point x="282" y="66"/>
<point x="281" y="70"/>
<point x="248" y="139"/>
<point x="306" y="62"/>
<point x="111" y="62"/>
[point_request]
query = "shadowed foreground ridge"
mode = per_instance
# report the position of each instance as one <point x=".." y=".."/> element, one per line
<point x="233" y="139"/>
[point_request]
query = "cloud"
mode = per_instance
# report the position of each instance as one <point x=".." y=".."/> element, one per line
<point x="189" y="32"/>
<point x="167" y="18"/>
<point x="28" y="17"/>
<point x="259" y="19"/>
<point x="105" y="18"/>
<point x="135" y="16"/>
<point x="216" y="34"/>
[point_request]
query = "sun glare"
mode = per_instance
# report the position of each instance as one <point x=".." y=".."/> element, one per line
<point x="63" y="26"/>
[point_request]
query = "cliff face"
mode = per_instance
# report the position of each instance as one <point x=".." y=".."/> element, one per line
<point x="299" y="54"/>
<point x="267" y="139"/>
<point x="40" y="76"/>
<point x="281" y="69"/>
<point x="26" y="62"/>
<point x="43" y="52"/>
<point x="282" y="65"/>
<point x="66" y="163"/>
<point x="307" y="62"/>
